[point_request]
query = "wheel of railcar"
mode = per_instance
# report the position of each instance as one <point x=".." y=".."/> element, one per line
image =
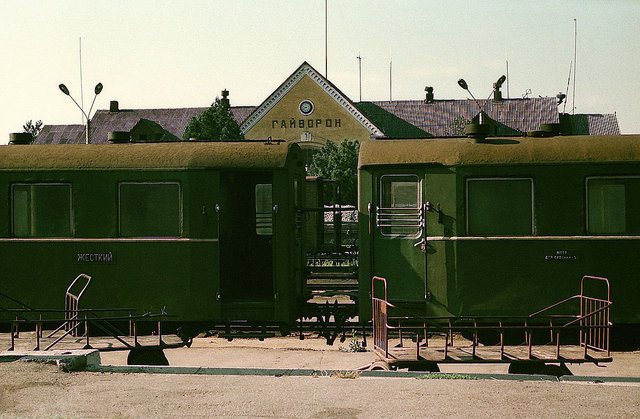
<point x="147" y="356"/>
<point x="285" y="330"/>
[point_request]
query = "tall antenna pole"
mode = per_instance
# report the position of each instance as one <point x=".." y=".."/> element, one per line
<point x="326" y="60"/>
<point x="390" y="83"/>
<point x="360" y="74"/>
<point x="564" y="109"/>
<point x="81" y="87"/>
<point x="575" y="62"/>
<point x="507" y="79"/>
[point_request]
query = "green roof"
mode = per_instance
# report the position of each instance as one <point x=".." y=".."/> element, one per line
<point x="172" y="155"/>
<point x="501" y="151"/>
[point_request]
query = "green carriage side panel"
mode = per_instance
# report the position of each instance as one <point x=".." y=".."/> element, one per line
<point x="519" y="265"/>
<point x="180" y="274"/>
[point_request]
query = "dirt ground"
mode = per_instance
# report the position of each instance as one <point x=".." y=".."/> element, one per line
<point x="29" y="389"/>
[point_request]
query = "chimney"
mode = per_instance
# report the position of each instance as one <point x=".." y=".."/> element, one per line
<point x="113" y="106"/>
<point x="225" y="98"/>
<point x="429" y="91"/>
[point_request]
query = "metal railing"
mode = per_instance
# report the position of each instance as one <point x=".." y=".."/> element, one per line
<point x="400" y="220"/>
<point x="592" y="322"/>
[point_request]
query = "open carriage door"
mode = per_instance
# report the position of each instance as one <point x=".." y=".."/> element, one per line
<point x="399" y="237"/>
<point x="246" y="243"/>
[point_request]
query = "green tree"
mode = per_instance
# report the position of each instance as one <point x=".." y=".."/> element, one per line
<point x="339" y="162"/>
<point x="214" y="124"/>
<point x="33" y="128"/>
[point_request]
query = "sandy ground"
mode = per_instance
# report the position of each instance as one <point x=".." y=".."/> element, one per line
<point x="38" y="390"/>
<point x="29" y="389"/>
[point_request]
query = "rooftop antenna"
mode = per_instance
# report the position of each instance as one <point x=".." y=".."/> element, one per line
<point x="81" y="86"/>
<point x="359" y="58"/>
<point x="507" y="79"/>
<point x="326" y="60"/>
<point x="564" y="110"/>
<point x="390" y="83"/>
<point x="575" y="62"/>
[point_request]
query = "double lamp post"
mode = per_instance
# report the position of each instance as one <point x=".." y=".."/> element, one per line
<point x="97" y="91"/>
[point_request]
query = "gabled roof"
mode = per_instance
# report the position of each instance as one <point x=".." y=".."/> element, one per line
<point x="439" y="117"/>
<point x="307" y="70"/>
<point x="173" y="121"/>
<point x="61" y="134"/>
<point x="589" y="124"/>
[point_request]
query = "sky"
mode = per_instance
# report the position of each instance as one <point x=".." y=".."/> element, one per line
<point x="172" y="54"/>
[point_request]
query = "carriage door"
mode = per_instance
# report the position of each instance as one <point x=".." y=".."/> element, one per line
<point x="398" y="238"/>
<point x="246" y="238"/>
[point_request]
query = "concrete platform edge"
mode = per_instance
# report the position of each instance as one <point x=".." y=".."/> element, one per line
<point x="346" y="373"/>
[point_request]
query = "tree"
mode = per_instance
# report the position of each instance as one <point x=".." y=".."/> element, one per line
<point x="33" y="128"/>
<point x="214" y="124"/>
<point x="339" y="163"/>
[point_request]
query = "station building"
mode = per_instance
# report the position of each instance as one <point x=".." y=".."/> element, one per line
<point x="309" y="109"/>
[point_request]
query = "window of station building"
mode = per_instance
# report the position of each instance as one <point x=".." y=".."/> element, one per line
<point x="150" y="209"/>
<point x="42" y="210"/>
<point x="264" y="214"/>
<point x="399" y="213"/>
<point x="500" y="207"/>
<point x="613" y="205"/>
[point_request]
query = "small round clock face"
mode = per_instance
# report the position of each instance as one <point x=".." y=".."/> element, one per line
<point x="306" y="107"/>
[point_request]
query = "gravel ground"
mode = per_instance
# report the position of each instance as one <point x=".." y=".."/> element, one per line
<point x="29" y="389"/>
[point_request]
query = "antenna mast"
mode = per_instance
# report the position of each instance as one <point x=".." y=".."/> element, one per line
<point x="360" y="74"/>
<point x="326" y="60"/>
<point x="575" y="62"/>
<point x="390" y="83"/>
<point x="81" y="88"/>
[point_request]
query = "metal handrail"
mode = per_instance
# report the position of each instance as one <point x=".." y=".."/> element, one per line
<point x="592" y="323"/>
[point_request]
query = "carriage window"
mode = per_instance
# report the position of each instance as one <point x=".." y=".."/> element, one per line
<point x="499" y="207"/>
<point x="612" y="205"/>
<point x="150" y="210"/>
<point x="42" y="210"/>
<point x="264" y="226"/>
<point x="399" y="213"/>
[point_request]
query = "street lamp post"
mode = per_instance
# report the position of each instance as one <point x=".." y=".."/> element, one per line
<point x="97" y="91"/>
<point x="496" y="87"/>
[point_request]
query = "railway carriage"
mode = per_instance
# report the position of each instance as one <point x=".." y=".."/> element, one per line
<point x="203" y="231"/>
<point x="499" y="227"/>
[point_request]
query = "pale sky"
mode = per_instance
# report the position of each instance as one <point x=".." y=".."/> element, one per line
<point x="152" y="54"/>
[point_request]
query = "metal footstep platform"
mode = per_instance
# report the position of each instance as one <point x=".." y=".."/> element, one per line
<point x="548" y="336"/>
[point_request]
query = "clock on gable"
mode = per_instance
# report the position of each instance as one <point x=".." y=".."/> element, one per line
<point x="306" y="107"/>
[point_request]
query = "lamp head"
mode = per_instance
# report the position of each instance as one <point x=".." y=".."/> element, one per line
<point x="463" y="84"/>
<point x="98" y="88"/>
<point x="63" y="89"/>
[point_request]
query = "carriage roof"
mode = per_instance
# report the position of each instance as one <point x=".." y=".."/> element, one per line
<point x="178" y="155"/>
<point x="501" y="151"/>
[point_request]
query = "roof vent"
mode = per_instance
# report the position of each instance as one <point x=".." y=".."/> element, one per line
<point x="118" y="137"/>
<point x="551" y="129"/>
<point x="225" y="98"/>
<point x="113" y="106"/>
<point x="429" y="91"/>
<point x="476" y="131"/>
<point x="20" y="138"/>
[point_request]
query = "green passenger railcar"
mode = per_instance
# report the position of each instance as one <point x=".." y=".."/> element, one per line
<point x="501" y="227"/>
<point x="204" y="231"/>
